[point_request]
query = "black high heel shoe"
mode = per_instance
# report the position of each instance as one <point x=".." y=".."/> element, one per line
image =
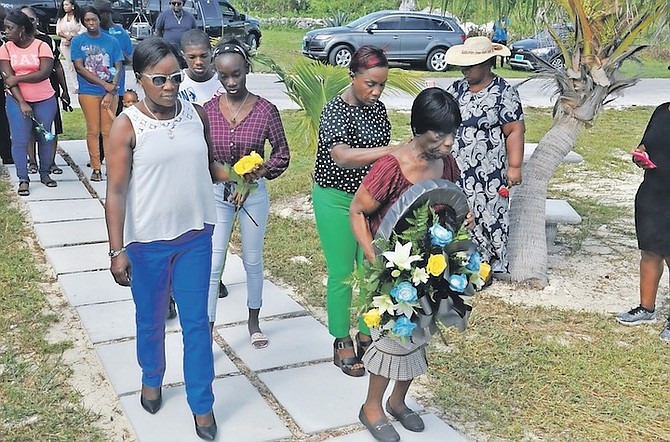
<point x="361" y="345"/>
<point x="207" y="432"/>
<point x="347" y="365"/>
<point x="152" y="405"/>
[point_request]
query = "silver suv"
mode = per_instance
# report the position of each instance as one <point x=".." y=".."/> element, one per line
<point x="405" y="36"/>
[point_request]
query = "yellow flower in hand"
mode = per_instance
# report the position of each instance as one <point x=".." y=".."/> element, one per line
<point x="436" y="265"/>
<point x="248" y="163"/>
<point x="372" y="318"/>
<point x="484" y="270"/>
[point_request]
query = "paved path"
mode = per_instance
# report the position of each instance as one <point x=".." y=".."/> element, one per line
<point x="288" y="391"/>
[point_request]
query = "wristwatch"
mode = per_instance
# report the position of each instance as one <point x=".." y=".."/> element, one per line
<point x="114" y="253"/>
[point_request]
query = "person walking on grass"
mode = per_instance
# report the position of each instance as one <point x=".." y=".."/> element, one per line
<point x="652" y="218"/>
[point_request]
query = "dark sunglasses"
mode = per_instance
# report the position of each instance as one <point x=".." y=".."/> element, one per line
<point x="159" y="80"/>
<point x="176" y="3"/>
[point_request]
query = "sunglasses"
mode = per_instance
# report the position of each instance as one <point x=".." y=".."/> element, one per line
<point x="159" y="80"/>
<point x="176" y="3"/>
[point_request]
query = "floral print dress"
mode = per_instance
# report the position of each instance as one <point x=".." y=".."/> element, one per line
<point x="481" y="155"/>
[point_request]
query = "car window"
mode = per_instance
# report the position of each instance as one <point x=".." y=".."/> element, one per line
<point x="417" y="24"/>
<point x="442" y="25"/>
<point x="388" y="24"/>
<point x="226" y="10"/>
<point x="365" y="19"/>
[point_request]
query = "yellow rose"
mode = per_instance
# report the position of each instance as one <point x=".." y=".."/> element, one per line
<point x="484" y="270"/>
<point x="372" y="318"/>
<point x="436" y="265"/>
<point x="248" y="163"/>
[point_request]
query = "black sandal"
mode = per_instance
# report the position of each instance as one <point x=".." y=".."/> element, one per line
<point x="32" y="167"/>
<point x="55" y="170"/>
<point x="48" y="181"/>
<point x="348" y="365"/>
<point x="24" y="188"/>
<point x="362" y="345"/>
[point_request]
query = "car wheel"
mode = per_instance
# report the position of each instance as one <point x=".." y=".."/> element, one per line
<point x="557" y="63"/>
<point x="252" y="41"/>
<point x="436" y="61"/>
<point x="341" y="56"/>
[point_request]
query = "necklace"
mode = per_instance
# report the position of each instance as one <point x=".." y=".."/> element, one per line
<point x="179" y="19"/>
<point x="171" y="127"/>
<point x="233" y="117"/>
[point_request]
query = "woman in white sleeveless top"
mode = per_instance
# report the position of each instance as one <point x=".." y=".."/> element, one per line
<point x="160" y="216"/>
<point x="68" y="26"/>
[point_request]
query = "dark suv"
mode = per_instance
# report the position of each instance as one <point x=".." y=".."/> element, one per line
<point x="530" y="52"/>
<point x="405" y="36"/>
<point x="216" y="17"/>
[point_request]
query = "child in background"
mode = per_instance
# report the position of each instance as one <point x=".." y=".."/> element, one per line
<point x="129" y="98"/>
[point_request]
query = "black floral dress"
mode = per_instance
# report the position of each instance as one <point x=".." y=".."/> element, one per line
<point x="481" y="155"/>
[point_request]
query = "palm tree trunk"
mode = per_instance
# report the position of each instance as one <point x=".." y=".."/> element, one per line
<point x="527" y="243"/>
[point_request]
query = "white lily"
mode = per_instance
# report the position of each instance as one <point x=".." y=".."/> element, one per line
<point x="384" y="303"/>
<point x="419" y="275"/>
<point x="401" y="257"/>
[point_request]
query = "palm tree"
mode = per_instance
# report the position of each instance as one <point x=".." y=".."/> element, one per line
<point x="311" y="84"/>
<point x="604" y="37"/>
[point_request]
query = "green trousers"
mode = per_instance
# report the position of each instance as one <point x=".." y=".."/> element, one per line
<point x="331" y="211"/>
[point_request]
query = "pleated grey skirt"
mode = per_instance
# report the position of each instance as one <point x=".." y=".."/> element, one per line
<point x="392" y="359"/>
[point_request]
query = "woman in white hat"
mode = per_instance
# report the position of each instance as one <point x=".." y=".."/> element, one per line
<point x="489" y="143"/>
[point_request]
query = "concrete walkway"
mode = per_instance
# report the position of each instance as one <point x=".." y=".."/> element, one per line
<point x="288" y="391"/>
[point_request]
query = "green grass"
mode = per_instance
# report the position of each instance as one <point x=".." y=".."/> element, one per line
<point x="520" y="373"/>
<point x="74" y="124"/>
<point x="36" y="403"/>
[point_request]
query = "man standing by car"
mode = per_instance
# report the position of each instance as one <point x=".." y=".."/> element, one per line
<point x="171" y="24"/>
<point x="500" y="36"/>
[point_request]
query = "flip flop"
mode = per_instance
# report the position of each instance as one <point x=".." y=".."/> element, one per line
<point x="259" y="340"/>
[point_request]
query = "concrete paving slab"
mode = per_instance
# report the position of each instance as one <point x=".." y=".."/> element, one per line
<point x="66" y="190"/>
<point x="291" y="341"/>
<point x="92" y="288"/>
<point x="113" y="320"/>
<point x="120" y="362"/>
<point x="79" y="258"/>
<point x="100" y="187"/>
<point x="67" y="175"/>
<point x="233" y="308"/>
<point x="69" y="233"/>
<point x="318" y="397"/>
<point x="233" y="271"/>
<point x="241" y="415"/>
<point x="436" y="430"/>
<point x="66" y="210"/>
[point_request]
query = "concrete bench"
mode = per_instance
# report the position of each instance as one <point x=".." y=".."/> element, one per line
<point x="571" y="157"/>
<point x="558" y="212"/>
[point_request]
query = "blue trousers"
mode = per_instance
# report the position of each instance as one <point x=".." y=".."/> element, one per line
<point x="21" y="130"/>
<point x="258" y="206"/>
<point x="181" y="265"/>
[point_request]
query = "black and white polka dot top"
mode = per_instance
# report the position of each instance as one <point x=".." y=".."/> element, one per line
<point x="355" y="126"/>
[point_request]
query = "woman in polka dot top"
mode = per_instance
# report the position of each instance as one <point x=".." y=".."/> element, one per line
<point x="354" y="132"/>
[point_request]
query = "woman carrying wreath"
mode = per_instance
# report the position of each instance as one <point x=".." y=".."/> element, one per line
<point x="489" y="143"/>
<point x="241" y="122"/>
<point x="434" y="120"/>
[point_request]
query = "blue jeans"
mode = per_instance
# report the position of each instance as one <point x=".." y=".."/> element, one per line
<point x="21" y="130"/>
<point x="258" y="206"/>
<point x="181" y="265"/>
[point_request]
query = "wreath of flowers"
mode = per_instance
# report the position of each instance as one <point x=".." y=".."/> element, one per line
<point x="415" y="271"/>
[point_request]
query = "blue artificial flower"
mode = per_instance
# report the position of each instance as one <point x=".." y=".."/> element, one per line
<point x="403" y="326"/>
<point x="439" y="236"/>
<point x="475" y="261"/>
<point x="404" y="292"/>
<point x="458" y="282"/>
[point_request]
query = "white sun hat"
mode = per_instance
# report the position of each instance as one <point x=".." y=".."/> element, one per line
<point x="475" y="50"/>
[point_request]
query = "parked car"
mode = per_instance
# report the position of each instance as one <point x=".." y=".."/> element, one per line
<point x="218" y="18"/>
<point x="405" y="36"/>
<point x="46" y="10"/>
<point x="527" y="53"/>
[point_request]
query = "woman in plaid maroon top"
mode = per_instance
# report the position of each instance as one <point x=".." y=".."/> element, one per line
<point x="241" y="122"/>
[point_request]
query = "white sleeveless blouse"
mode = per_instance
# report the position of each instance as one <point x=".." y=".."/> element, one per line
<point x="170" y="190"/>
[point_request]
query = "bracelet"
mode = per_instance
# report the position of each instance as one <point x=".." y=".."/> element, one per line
<point x="114" y="253"/>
